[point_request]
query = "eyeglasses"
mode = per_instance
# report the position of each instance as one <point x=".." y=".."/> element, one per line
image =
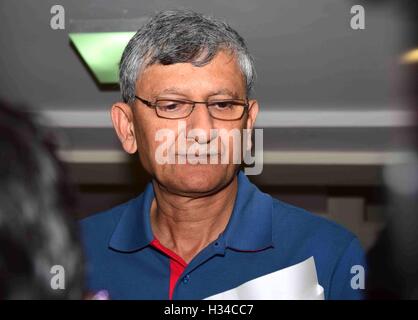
<point x="231" y="109"/>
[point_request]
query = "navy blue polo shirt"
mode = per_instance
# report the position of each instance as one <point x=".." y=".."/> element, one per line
<point x="263" y="235"/>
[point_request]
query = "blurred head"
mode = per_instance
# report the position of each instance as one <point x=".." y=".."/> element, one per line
<point x="36" y="229"/>
<point x="176" y="58"/>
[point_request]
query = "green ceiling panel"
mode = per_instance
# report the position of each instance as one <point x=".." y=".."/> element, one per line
<point x="101" y="51"/>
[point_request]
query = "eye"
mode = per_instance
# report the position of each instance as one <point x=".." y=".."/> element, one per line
<point x="169" y="105"/>
<point x="223" y="105"/>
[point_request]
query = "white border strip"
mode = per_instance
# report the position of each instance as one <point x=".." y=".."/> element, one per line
<point x="270" y="157"/>
<point x="93" y="156"/>
<point x="78" y="119"/>
<point x="266" y="119"/>
<point x="334" y="157"/>
<point x="326" y="118"/>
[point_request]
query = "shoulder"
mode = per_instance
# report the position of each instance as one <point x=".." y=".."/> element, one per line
<point x="100" y="226"/>
<point x="302" y="223"/>
<point x="303" y="233"/>
<point x="300" y="234"/>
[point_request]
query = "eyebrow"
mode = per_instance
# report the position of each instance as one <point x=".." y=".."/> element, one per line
<point x="176" y="90"/>
<point x="224" y="91"/>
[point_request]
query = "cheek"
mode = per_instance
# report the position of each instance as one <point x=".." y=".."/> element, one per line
<point x="144" y="134"/>
<point x="147" y="141"/>
<point x="236" y="139"/>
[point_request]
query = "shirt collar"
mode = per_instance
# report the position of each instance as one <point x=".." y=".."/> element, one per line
<point x="248" y="229"/>
<point x="133" y="231"/>
<point x="250" y="225"/>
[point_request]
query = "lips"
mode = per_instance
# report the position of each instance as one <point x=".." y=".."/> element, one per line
<point x="197" y="154"/>
<point x="201" y="151"/>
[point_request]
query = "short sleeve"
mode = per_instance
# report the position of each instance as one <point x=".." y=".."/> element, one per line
<point x="349" y="276"/>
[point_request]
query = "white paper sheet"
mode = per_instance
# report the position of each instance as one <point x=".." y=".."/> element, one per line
<point x="297" y="282"/>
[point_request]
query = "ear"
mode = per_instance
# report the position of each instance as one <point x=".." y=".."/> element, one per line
<point x="250" y="121"/>
<point x="122" y="118"/>
<point x="252" y="114"/>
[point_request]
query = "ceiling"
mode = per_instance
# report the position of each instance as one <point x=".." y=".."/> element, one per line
<point x="307" y="56"/>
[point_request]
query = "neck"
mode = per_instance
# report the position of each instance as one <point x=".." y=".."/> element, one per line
<point x="184" y="224"/>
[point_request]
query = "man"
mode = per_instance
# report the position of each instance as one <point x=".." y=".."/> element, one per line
<point x="201" y="229"/>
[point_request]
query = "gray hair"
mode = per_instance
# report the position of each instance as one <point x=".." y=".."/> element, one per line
<point x="181" y="36"/>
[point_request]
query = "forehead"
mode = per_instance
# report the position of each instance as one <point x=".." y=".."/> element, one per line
<point x="222" y="75"/>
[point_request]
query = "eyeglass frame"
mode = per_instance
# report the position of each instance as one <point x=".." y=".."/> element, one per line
<point x="153" y="105"/>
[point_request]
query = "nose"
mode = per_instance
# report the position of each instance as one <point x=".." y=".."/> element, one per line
<point x="201" y="119"/>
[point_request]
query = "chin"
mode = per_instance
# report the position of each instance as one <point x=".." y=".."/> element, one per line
<point x="197" y="179"/>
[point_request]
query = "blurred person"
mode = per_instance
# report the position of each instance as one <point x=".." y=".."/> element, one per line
<point x="37" y="231"/>
<point x="393" y="260"/>
<point x="200" y="230"/>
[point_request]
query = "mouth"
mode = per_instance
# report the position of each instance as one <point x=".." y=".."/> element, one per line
<point x="197" y="154"/>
